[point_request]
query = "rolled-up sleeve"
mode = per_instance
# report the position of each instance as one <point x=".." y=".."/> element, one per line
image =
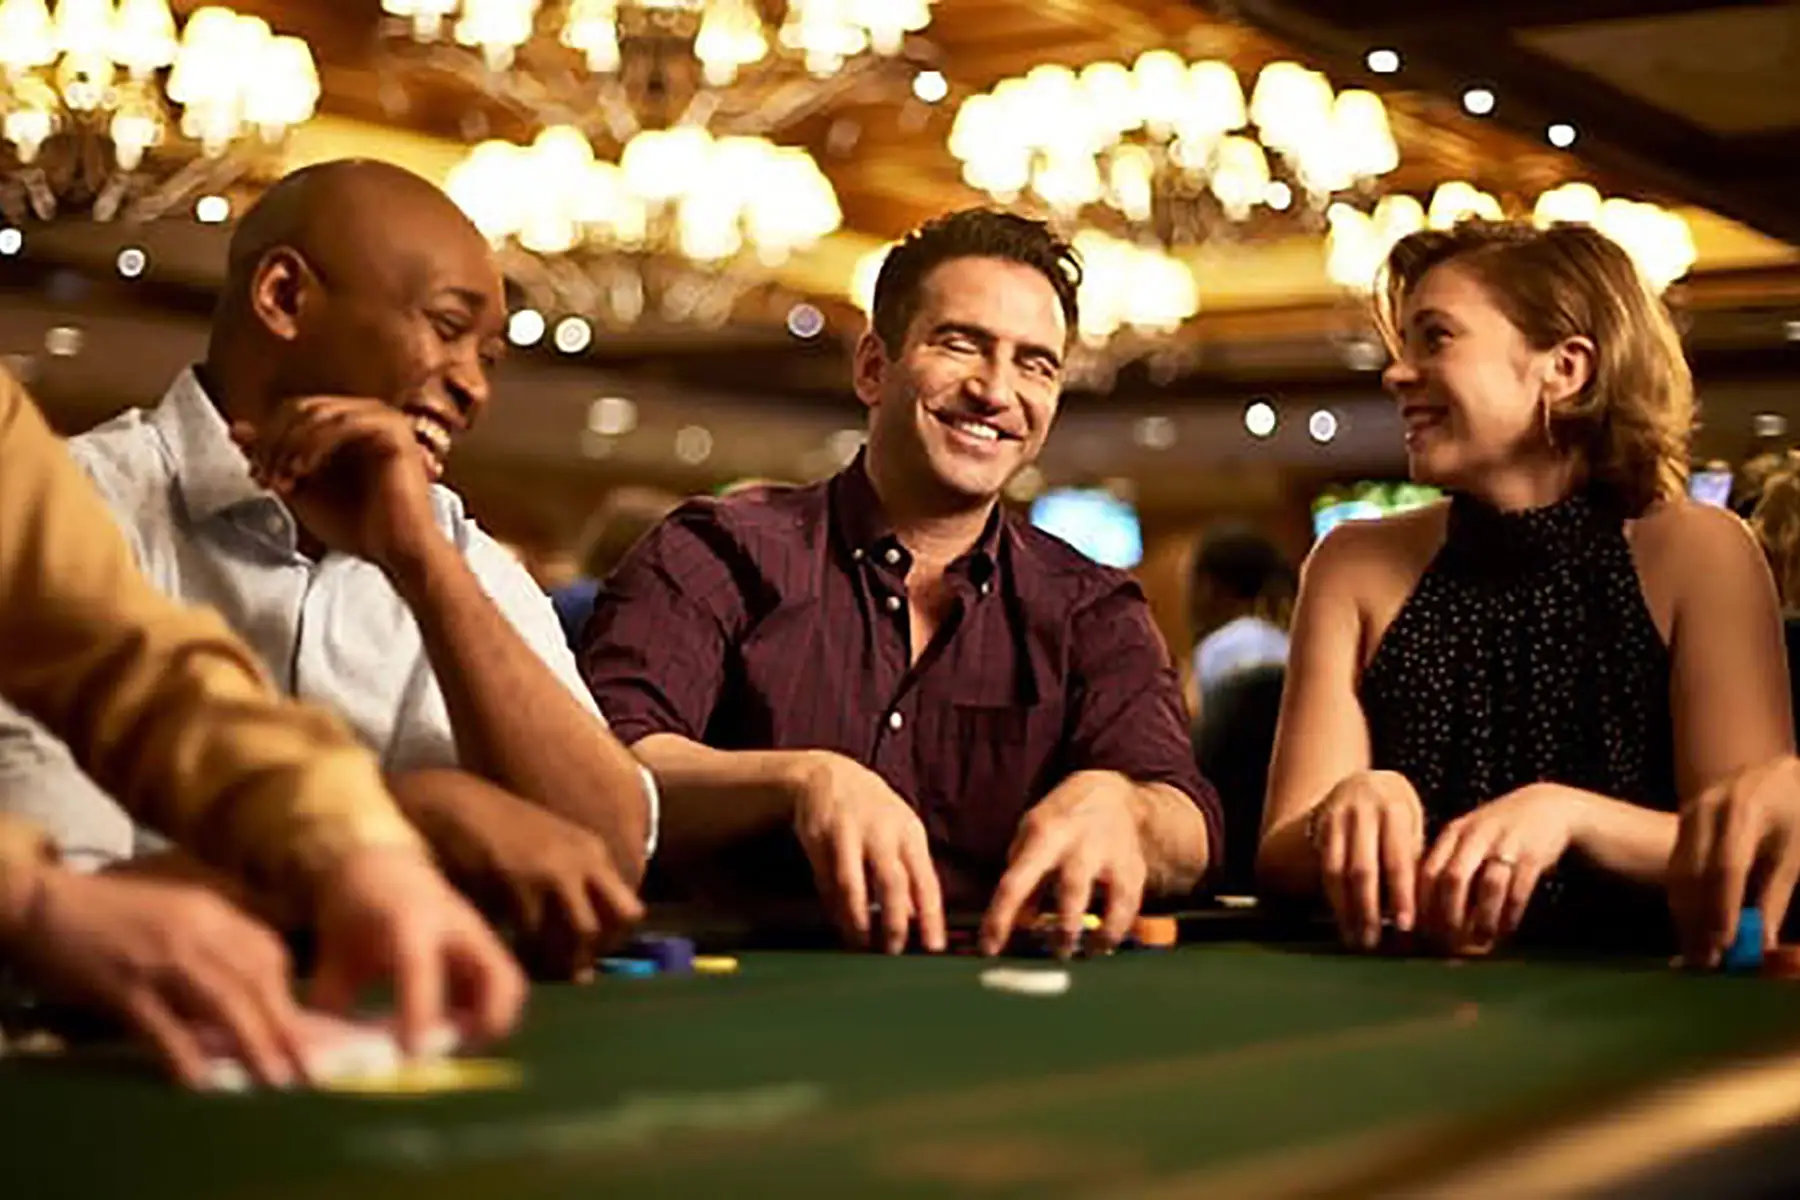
<point x="161" y="704"/>
<point x="1127" y="713"/>
<point x="654" y="650"/>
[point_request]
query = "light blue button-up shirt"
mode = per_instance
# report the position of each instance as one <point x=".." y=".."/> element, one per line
<point x="333" y="632"/>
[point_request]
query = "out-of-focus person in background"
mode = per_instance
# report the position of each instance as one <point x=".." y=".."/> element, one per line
<point x="626" y="515"/>
<point x="1240" y="602"/>
<point x="1776" y="520"/>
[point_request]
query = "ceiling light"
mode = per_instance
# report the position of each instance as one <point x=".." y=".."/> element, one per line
<point x="1260" y="419"/>
<point x="1789" y="329"/>
<point x="1478" y="101"/>
<point x="132" y="261"/>
<point x="805" y="321"/>
<point x="1768" y="425"/>
<point x="1383" y="61"/>
<point x="1322" y="426"/>
<point x="1561" y="135"/>
<point x="63" y="341"/>
<point x="1279" y="196"/>
<point x="930" y="86"/>
<point x="693" y="444"/>
<point x="212" y="210"/>
<point x="525" y="327"/>
<point x="612" y="416"/>
<point x="11" y="242"/>
<point x="1154" y="433"/>
<point x="573" y="335"/>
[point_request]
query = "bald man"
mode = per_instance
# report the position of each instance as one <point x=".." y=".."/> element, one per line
<point x="292" y="481"/>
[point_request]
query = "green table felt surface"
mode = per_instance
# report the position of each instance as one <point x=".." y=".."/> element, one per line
<point x="838" y="1074"/>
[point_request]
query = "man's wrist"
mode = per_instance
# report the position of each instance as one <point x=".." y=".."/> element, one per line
<point x="412" y="565"/>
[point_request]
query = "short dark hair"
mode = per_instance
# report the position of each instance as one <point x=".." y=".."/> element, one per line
<point x="970" y="233"/>
<point x="1243" y="563"/>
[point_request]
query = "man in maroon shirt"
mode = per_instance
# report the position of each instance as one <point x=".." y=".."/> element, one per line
<point x="894" y="672"/>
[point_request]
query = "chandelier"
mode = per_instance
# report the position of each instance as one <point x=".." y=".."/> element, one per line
<point x="649" y="63"/>
<point x="87" y="96"/>
<point x="684" y="224"/>
<point x="1164" y="148"/>
<point x="1658" y="241"/>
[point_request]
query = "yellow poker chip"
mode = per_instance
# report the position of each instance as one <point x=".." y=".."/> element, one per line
<point x="715" y="964"/>
<point x="431" y="1077"/>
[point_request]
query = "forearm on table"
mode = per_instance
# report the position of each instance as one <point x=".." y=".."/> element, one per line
<point x="515" y="722"/>
<point x="714" y="798"/>
<point x="1623" y="838"/>
<point x="1173" y="832"/>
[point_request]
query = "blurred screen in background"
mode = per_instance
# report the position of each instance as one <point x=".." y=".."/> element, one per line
<point x="1362" y="501"/>
<point x="1094" y="521"/>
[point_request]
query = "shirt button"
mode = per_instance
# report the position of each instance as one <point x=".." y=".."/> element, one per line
<point x="857" y="554"/>
<point x="893" y="603"/>
<point x="275" y="524"/>
<point x="896" y="721"/>
<point x="986" y="588"/>
<point x="891" y="557"/>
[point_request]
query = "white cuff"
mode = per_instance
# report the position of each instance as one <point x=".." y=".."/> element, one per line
<point x="653" y="802"/>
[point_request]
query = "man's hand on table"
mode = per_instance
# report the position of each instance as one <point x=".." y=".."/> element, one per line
<point x="170" y="958"/>
<point x="553" y="880"/>
<point x="1738" y="845"/>
<point x="385" y="915"/>
<point x="1084" y="833"/>
<point x="861" y="836"/>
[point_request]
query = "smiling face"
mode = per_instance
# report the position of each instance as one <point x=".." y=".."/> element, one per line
<point x="386" y="292"/>
<point x="970" y="394"/>
<point x="1471" y="389"/>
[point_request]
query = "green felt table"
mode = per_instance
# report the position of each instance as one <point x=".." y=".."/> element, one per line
<point x="1227" y="1069"/>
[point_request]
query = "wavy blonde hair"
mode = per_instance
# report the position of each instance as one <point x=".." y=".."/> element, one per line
<point x="1632" y="422"/>
<point x="1776" y="520"/>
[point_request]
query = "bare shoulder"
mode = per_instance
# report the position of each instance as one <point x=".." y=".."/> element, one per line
<point x="1374" y="553"/>
<point x="1680" y="536"/>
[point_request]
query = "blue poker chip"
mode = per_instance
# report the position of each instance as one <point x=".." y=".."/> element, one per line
<point x="630" y="968"/>
<point x="1746" y="952"/>
<point x="672" y="955"/>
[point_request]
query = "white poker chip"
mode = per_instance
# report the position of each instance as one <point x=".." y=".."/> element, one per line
<point x="1026" y="982"/>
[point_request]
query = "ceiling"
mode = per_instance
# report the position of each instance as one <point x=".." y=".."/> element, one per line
<point x="1690" y="105"/>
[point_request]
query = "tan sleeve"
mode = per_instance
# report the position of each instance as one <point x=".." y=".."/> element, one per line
<point x="160" y="703"/>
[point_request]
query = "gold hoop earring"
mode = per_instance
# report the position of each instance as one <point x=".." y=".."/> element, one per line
<point x="1549" y="431"/>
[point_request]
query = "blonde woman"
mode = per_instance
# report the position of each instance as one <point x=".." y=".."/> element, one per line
<point x="1498" y="703"/>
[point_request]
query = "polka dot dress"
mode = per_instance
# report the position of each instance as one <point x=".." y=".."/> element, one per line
<point x="1527" y="654"/>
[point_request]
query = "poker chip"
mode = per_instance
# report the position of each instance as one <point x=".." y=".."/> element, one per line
<point x="672" y="955"/>
<point x="1023" y="982"/>
<point x="421" y="1077"/>
<point x="630" y="968"/>
<point x="1155" y="933"/>
<point x="1746" y="950"/>
<point x="715" y="964"/>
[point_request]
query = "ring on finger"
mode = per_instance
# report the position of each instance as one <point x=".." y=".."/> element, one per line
<point x="1509" y="861"/>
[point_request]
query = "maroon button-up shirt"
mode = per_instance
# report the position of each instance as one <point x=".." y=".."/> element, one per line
<point x="777" y="620"/>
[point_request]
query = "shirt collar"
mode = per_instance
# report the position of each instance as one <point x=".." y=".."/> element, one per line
<point x="863" y="527"/>
<point x="211" y="473"/>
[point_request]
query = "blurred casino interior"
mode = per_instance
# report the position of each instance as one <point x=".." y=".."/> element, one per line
<point x="690" y="197"/>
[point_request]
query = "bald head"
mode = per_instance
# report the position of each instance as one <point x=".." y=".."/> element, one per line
<point x="357" y="277"/>
<point x="347" y="216"/>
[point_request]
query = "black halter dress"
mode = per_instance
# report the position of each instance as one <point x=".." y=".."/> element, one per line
<point x="1527" y="653"/>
